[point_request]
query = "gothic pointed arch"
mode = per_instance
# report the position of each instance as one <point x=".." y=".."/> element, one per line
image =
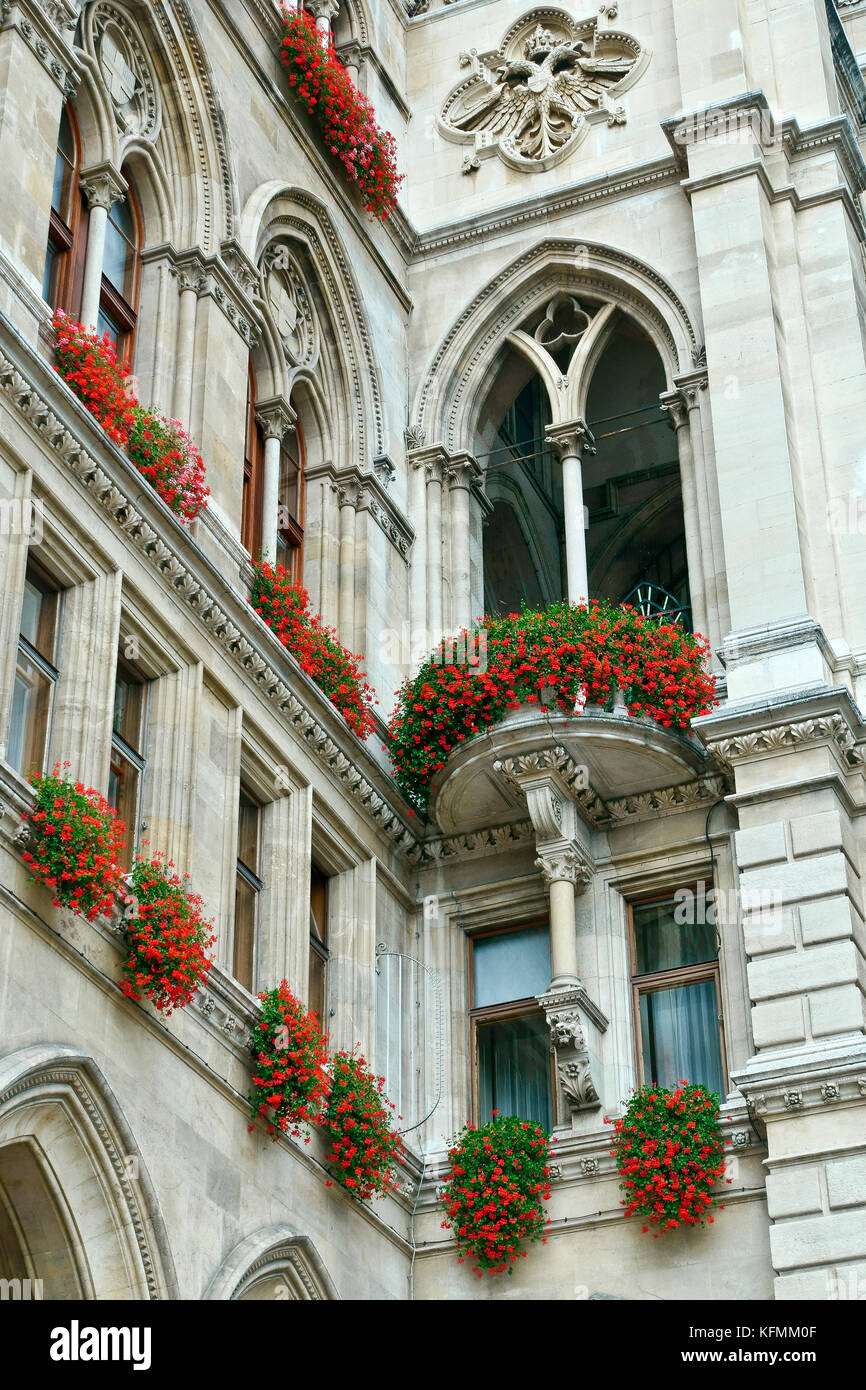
<point x="74" y="1189"/>
<point x="338" y="359"/>
<point x="274" y="1263"/>
<point x="465" y="363"/>
<point x="148" y="97"/>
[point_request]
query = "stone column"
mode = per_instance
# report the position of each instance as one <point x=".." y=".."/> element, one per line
<point x="284" y="928"/>
<point x="351" y="56"/>
<point x="189" y="278"/>
<point x="676" y="406"/>
<point x="22" y="522"/>
<point x="565" y="869"/>
<point x="102" y="186"/>
<point x="462" y="472"/>
<point x="276" y="418"/>
<point x="418" y="563"/>
<point x="434" y="472"/>
<point x="348" y="497"/>
<point x="325" y="12"/>
<point x="571" y="442"/>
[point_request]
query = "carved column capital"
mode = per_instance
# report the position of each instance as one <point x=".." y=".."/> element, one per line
<point x="276" y="418"/>
<point x="564" y="864"/>
<point x="103" y="185"/>
<point x="349" y="488"/>
<point x="323" y="9"/>
<point x="351" y="54"/>
<point x="572" y="439"/>
<point x="462" y="471"/>
<point x="190" y="273"/>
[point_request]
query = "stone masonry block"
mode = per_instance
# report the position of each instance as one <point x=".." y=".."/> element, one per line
<point x="846" y="1182"/>
<point x="826" y="830"/>
<point x="793" y="1192"/>
<point x="840" y="1010"/>
<point x="761" y="844"/>
<point x="818" y="1239"/>
<point x="796" y="972"/>
<point x="828" y="919"/>
<point x="779" y="1022"/>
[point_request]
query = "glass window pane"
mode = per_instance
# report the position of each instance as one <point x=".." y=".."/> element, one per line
<point x="119" y="259"/>
<point x="318" y="985"/>
<point x="106" y="325"/>
<point x="129" y="707"/>
<point x="124" y="785"/>
<point x="64" y="168"/>
<point x="48" y="275"/>
<point x="515" y="965"/>
<point x="319" y="905"/>
<point x="246" y="916"/>
<point x="663" y="943"/>
<point x="248" y="833"/>
<point x="680" y="1036"/>
<point x="514" y="1069"/>
<point x="31" y="708"/>
<point x="38" y="618"/>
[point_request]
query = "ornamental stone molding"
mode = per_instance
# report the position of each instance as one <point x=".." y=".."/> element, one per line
<point x="47" y="27"/>
<point x="532" y="100"/>
<point x="785" y="1091"/>
<point x="253" y="648"/>
<point x="125" y="69"/>
<point x="366" y="492"/>
<point x="211" y="277"/>
<point x="566" y="1011"/>
<point x="832" y="729"/>
<point x="498" y="840"/>
<point x="103" y="185"/>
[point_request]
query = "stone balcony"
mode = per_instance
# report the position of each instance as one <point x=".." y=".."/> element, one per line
<point x="603" y="759"/>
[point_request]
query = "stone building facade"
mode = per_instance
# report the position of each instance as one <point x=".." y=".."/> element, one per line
<point x="612" y="341"/>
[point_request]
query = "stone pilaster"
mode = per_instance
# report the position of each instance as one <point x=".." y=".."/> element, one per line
<point x="17" y="509"/>
<point x="174" y="702"/>
<point x="85" y="691"/>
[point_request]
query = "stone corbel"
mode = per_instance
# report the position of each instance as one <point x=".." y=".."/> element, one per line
<point x="575" y="1024"/>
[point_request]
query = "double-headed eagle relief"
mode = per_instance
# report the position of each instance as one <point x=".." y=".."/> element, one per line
<point x="533" y="98"/>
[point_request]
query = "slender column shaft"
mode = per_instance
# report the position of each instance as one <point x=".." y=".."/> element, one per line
<point x="434" y="553"/>
<point x="271" y="497"/>
<point x="92" y="289"/>
<point x="575" y="529"/>
<point x="563" y="932"/>
<point x="346" y="619"/>
<point x="185" y="356"/>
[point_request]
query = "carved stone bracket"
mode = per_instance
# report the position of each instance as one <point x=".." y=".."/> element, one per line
<point x="568" y="1011"/>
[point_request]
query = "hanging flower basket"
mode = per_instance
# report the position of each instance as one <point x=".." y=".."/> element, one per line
<point x="285" y="608"/>
<point x="563" y="655"/>
<point x="161" y="449"/>
<point x="164" y="454"/>
<point x="499" y="1177"/>
<point x="669" y="1153"/>
<point x="88" y="362"/>
<point x="363" y="1149"/>
<point x="365" y="152"/>
<point x="74" y="844"/>
<point x="167" y="936"/>
<point x="289" y="1077"/>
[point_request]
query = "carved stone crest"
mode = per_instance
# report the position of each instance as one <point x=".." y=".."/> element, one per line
<point x="125" y="70"/>
<point x="531" y="99"/>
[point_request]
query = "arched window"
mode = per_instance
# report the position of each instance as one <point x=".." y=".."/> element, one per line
<point x="67" y="235"/>
<point x="290" y="526"/>
<point x="254" y="469"/>
<point x="121" y="273"/>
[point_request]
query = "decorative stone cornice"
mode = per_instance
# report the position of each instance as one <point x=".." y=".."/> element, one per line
<point x="103" y="185"/>
<point x="828" y="729"/>
<point x="572" y="439"/>
<point x="211" y="277"/>
<point x="787" y="1087"/>
<point x="276" y="417"/>
<point x="253" y="649"/>
<point x="441" y="849"/>
<point x="365" y="492"/>
<point x="47" y="26"/>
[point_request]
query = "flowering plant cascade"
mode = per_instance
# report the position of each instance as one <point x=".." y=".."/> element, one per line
<point x="345" y="117"/>
<point x="363" y="1147"/>
<point x="290" y="1079"/>
<point x="164" y="454"/>
<point x="75" y="840"/>
<point x="285" y="608"/>
<point x="568" y="652"/>
<point x="89" y="364"/>
<point x="167" y="936"/>
<point x="161" y="449"/>
<point x="493" y="1197"/>
<point x="669" y="1154"/>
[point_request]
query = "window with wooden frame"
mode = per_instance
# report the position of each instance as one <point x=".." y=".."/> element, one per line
<point x="121" y="272"/>
<point x="248" y="891"/>
<point x="254" y="475"/>
<point x="676" y="991"/>
<point x="67" y="233"/>
<point x="36" y="673"/>
<point x="290" y="526"/>
<point x="513" y="1065"/>
<point x="317" y="994"/>
<point x="128" y="764"/>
